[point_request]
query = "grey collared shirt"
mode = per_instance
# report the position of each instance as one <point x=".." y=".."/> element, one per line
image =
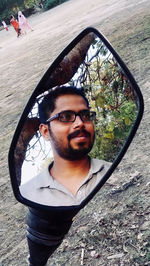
<point x="43" y="189"/>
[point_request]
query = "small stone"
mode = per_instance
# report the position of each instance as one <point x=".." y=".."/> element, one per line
<point x="83" y="245"/>
<point x="145" y="226"/>
<point x="116" y="256"/>
<point x="94" y="254"/>
<point x="140" y="236"/>
<point x="91" y="248"/>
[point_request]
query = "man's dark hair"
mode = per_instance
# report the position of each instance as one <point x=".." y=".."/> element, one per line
<point x="47" y="106"/>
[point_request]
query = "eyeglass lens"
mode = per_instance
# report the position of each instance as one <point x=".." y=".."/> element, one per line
<point x="69" y="116"/>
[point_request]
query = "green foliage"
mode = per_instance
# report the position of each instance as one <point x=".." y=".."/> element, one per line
<point x="11" y="7"/>
<point x="52" y="3"/>
<point x="6" y="15"/>
<point x="111" y="96"/>
<point x="112" y="129"/>
<point x="115" y="104"/>
<point x="29" y="4"/>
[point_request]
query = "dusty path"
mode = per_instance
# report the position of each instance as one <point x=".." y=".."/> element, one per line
<point x="22" y="63"/>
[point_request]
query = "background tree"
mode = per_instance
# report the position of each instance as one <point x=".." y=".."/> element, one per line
<point x="111" y="96"/>
<point x="11" y="7"/>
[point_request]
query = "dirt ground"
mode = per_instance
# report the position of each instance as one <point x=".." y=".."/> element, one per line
<point x="114" y="228"/>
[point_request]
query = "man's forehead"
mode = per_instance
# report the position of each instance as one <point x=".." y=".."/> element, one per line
<point x="70" y="100"/>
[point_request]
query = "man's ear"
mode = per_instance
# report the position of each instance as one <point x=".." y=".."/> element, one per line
<point x="44" y="131"/>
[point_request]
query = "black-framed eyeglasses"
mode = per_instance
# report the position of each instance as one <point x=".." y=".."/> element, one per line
<point x="70" y="116"/>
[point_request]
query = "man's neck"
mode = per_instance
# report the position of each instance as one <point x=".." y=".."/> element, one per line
<point x="70" y="173"/>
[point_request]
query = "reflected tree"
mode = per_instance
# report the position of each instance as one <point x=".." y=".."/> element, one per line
<point x="111" y="96"/>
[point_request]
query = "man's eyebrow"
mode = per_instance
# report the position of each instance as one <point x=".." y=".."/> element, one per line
<point x="68" y="110"/>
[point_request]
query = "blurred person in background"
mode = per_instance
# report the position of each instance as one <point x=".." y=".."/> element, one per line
<point x="15" y="24"/>
<point x="4" y="25"/>
<point x="23" y="23"/>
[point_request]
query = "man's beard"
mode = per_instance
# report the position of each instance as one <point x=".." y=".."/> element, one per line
<point x="68" y="152"/>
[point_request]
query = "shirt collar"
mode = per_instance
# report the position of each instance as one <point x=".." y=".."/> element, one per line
<point x="44" y="179"/>
<point x="96" y="165"/>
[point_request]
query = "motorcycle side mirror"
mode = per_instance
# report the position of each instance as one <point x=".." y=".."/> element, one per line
<point x="90" y="62"/>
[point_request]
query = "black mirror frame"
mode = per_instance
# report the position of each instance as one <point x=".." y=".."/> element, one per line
<point x="42" y="84"/>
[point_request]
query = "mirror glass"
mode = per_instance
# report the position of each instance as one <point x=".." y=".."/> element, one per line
<point x="92" y="66"/>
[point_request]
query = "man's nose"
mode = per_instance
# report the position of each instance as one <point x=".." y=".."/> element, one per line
<point x="78" y="122"/>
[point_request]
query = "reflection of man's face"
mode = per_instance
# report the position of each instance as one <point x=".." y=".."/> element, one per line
<point x="72" y="140"/>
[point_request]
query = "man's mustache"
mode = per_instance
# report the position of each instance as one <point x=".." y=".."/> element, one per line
<point x="78" y="132"/>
